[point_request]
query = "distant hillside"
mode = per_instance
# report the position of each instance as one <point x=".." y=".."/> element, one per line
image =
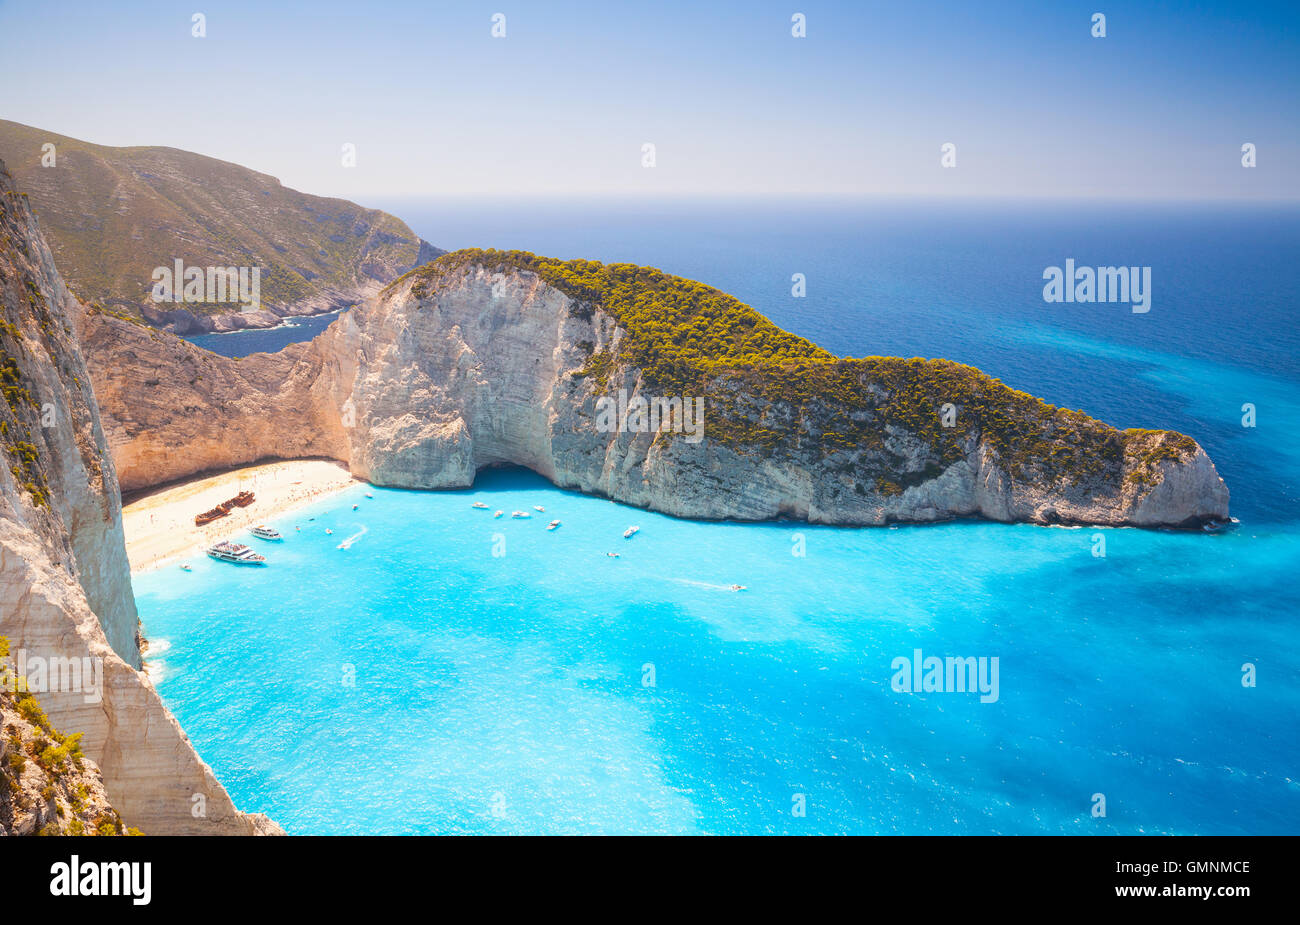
<point x="113" y="215"/>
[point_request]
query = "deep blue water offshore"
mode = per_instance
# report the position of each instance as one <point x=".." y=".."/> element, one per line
<point x="512" y="693"/>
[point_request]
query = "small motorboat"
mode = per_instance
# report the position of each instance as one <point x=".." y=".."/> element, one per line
<point x="737" y="587"/>
<point x="329" y="531"/>
<point x="263" y="532"/>
<point x="630" y="532"/>
<point x="538" y="507"/>
<point x="355" y="506"/>
<point x="612" y="555"/>
<point x="552" y="525"/>
<point x="369" y="495"/>
<point x="497" y="514"/>
<point x="480" y="505"/>
<point x="520" y="514"/>
<point x="234" y="552"/>
<point x="186" y="567"/>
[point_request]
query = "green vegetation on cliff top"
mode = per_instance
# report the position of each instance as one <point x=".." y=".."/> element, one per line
<point x="111" y="215"/>
<point x="763" y="384"/>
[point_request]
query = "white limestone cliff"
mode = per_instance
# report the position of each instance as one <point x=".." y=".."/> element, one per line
<point x="65" y="586"/>
<point x="481" y="371"/>
<point x="479" y="366"/>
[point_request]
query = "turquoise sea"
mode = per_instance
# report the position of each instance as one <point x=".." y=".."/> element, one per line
<point x="417" y="683"/>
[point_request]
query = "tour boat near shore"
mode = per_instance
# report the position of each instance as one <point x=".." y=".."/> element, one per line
<point x="236" y="553"/>
<point x="263" y="532"/>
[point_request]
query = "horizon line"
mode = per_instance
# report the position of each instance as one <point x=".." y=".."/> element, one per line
<point x="677" y="197"/>
<point x="821" y="195"/>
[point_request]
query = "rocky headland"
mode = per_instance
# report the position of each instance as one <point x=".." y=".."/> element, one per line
<point x="485" y="358"/>
<point x="112" y="216"/>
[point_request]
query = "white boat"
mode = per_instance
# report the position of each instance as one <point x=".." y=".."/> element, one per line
<point x="520" y="514"/>
<point x="186" y="567"/>
<point x="538" y="507"/>
<point x="627" y="534"/>
<point x="369" y="495"/>
<point x="552" y="525"/>
<point x="263" y="532"/>
<point x="234" y="552"/>
<point x="497" y="514"/>
<point x="480" y="505"/>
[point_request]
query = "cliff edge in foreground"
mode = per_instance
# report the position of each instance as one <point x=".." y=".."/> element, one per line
<point x="47" y="785"/>
<point x="484" y="358"/>
<point x="66" y="603"/>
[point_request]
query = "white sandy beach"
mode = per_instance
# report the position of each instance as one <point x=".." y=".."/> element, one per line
<point x="160" y="527"/>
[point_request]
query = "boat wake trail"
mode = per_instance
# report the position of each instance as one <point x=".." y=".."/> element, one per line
<point x="347" y="544"/>
<point x="701" y="584"/>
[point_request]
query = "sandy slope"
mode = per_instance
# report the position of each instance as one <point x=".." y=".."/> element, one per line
<point x="160" y="527"/>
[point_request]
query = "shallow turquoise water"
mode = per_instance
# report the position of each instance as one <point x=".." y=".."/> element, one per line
<point x="516" y="681"/>
<point x="505" y="694"/>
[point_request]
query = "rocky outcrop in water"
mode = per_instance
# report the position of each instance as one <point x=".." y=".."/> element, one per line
<point x="65" y="586"/>
<point x="483" y="359"/>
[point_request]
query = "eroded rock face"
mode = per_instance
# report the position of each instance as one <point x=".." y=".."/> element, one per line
<point x="55" y="796"/>
<point x="424" y="386"/>
<point x="481" y="371"/>
<point x="171" y="409"/>
<point x="65" y="585"/>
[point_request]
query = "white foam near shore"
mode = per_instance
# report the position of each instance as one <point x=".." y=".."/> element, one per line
<point x="289" y="322"/>
<point x="160" y="527"/>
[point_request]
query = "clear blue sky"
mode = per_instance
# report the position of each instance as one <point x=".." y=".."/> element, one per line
<point x="735" y="105"/>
